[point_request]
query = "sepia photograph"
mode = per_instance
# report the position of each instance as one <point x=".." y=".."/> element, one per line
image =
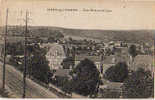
<point x="77" y="49"/>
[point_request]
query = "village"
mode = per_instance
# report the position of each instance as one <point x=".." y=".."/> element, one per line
<point x="77" y="50"/>
<point x="65" y="54"/>
<point x="99" y="52"/>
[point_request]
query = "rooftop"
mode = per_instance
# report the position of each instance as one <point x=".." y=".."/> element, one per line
<point x="143" y="59"/>
<point x="92" y="58"/>
<point x="62" y="72"/>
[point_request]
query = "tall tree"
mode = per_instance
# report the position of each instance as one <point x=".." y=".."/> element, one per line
<point x="133" y="53"/>
<point x="86" y="78"/>
<point x="38" y="64"/>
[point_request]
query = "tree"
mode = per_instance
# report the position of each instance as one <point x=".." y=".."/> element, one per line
<point x="67" y="62"/>
<point x="117" y="73"/>
<point x="132" y="52"/>
<point x="56" y="34"/>
<point x="70" y="39"/>
<point x="14" y="48"/>
<point x="86" y="78"/>
<point x="68" y="86"/>
<point x="38" y="65"/>
<point x="140" y="84"/>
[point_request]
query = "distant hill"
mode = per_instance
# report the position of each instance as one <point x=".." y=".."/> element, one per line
<point x="104" y="35"/>
<point x="115" y="35"/>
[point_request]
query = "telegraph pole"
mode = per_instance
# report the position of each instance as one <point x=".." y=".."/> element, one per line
<point x="25" y="56"/>
<point x="6" y="30"/>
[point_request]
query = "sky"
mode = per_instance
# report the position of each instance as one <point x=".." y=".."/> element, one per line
<point x="117" y="14"/>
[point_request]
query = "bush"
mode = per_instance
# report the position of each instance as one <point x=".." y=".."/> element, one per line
<point x="140" y="84"/>
<point x="117" y="73"/>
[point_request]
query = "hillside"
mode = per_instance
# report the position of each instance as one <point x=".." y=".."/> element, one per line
<point x="108" y="35"/>
<point x="104" y="35"/>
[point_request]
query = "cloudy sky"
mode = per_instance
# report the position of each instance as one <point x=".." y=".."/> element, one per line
<point x="115" y="14"/>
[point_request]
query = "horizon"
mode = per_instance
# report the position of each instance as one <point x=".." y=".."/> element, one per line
<point x="93" y="29"/>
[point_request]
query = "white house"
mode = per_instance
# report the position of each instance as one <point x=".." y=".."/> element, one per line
<point x="143" y="61"/>
<point x="55" y="55"/>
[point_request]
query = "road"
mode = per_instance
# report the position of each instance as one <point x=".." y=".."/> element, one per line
<point x="15" y="83"/>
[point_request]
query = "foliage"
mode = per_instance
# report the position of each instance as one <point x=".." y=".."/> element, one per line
<point x="86" y="78"/>
<point x="117" y="73"/>
<point x="67" y="62"/>
<point x="140" y="84"/>
<point x="37" y="65"/>
<point x="133" y="51"/>
<point x="68" y="86"/>
<point x="15" y="48"/>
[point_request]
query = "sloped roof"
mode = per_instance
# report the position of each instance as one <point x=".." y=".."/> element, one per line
<point x="62" y="72"/>
<point x="56" y="48"/>
<point x="114" y="59"/>
<point x="108" y="59"/>
<point x="114" y="85"/>
<point x="143" y="59"/>
<point x="111" y="85"/>
<point x="122" y="58"/>
<point x="92" y="58"/>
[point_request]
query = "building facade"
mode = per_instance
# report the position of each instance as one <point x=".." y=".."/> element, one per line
<point x="55" y="55"/>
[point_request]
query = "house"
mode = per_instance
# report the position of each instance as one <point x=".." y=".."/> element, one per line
<point x="107" y="62"/>
<point x="118" y="44"/>
<point x="112" y="60"/>
<point x="143" y="61"/>
<point x="102" y="62"/>
<point x="121" y="51"/>
<point x="55" y="55"/>
<point x="60" y="75"/>
<point x="110" y="90"/>
<point x="95" y="59"/>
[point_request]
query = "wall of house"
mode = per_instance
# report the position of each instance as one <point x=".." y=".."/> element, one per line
<point x="55" y="56"/>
